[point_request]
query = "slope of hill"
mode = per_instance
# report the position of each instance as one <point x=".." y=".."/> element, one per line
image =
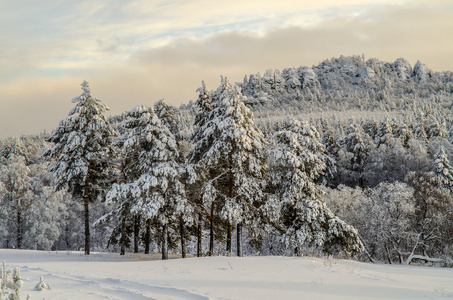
<point x="353" y="78"/>
<point x="343" y="88"/>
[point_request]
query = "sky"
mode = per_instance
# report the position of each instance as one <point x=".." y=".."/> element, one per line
<point x="137" y="52"/>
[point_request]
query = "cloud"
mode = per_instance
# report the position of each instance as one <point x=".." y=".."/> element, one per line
<point x="46" y="35"/>
<point x="415" y="33"/>
<point x="129" y="69"/>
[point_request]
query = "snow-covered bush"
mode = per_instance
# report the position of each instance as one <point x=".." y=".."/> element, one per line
<point x="41" y="285"/>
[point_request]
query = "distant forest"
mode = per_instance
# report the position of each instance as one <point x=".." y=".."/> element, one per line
<point x="349" y="158"/>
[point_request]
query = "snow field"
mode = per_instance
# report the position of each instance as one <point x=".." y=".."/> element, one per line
<point x="109" y="276"/>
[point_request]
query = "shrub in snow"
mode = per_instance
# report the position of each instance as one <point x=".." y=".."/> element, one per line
<point x="41" y="285"/>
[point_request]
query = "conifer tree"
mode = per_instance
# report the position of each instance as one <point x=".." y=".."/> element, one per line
<point x="359" y="144"/>
<point x="295" y="161"/>
<point x="332" y="149"/>
<point x="13" y="146"/>
<point x="167" y="116"/>
<point x="157" y="192"/>
<point x="444" y="171"/>
<point x="230" y="149"/>
<point x="203" y="108"/>
<point x="384" y="132"/>
<point x="81" y="152"/>
<point x="405" y="134"/>
<point x="420" y="127"/>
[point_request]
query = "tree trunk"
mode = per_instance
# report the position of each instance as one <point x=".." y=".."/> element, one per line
<point x="123" y="237"/>
<point x="87" y="226"/>
<point x="229" y="226"/>
<point x="211" y="231"/>
<point x="389" y="259"/>
<point x="87" y="215"/>
<point x="239" y="240"/>
<point x="183" y="240"/>
<point x="147" y="236"/>
<point x="199" y="237"/>
<point x="228" y="241"/>
<point x="229" y="230"/>
<point x="136" y="232"/>
<point x="19" y="229"/>
<point x="165" y="242"/>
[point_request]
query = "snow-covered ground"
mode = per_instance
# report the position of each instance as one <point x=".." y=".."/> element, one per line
<point x="109" y="276"/>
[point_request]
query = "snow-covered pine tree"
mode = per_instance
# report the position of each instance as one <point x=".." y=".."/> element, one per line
<point x="15" y="177"/>
<point x="384" y="132"/>
<point x="295" y="161"/>
<point x="357" y="142"/>
<point x="81" y="151"/>
<point x="203" y="107"/>
<point x="231" y="150"/>
<point x="167" y="116"/>
<point x="332" y="149"/>
<point x="404" y="133"/>
<point x="157" y="192"/>
<point x="13" y="146"/>
<point x="444" y="171"/>
<point x="436" y="130"/>
<point x="203" y="103"/>
<point x="420" y="126"/>
<point x="126" y="171"/>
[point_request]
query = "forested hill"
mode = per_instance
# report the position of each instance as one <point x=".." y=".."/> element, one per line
<point x="353" y="79"/>
<point x="345" y="89"/>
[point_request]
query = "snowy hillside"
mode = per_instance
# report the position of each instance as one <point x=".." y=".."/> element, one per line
<point x="73" y="275"/>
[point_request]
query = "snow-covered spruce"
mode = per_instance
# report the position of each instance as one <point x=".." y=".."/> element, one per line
<point x="81" y="151"/>
<point x="230" y="150"/>
<point x="295" y="161"/>
<point x="359" y="144"/>
<point x="156" y="192"/>
<point x="444" y="171"/>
